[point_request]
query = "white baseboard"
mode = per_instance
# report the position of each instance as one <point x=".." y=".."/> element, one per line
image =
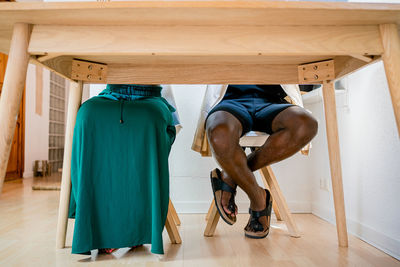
<point x="377" y="239"/>
<point x="243" y="206"/>
<point x="27" y="174"/>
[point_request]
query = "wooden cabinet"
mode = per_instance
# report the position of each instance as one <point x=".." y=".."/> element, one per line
<point x="15" y="167"/>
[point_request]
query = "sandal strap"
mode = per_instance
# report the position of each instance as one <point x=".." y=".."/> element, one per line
<point x="265" y="212"/>
<point x="258" y="214"/>
<point x="219" y="184"/>
<point x="227" y="188"/>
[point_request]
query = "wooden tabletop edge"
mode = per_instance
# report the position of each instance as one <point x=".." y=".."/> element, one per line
<point x="20" y="6"/>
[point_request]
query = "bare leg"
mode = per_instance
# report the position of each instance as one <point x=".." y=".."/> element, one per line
<point x="292" y="129"/>
<point x="223" y="131"/>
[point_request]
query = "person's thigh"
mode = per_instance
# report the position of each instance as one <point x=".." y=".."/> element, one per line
<point x="295" y="118"/>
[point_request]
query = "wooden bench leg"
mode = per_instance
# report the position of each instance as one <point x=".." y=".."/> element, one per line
<point x="274" y="205"/>
<point x="174" y="214"/>
<point x="212" y="221"/>
<point x="74" y="102"/>
<point x="269" y="177"/>
<point x="328" y="89"/>
<point x="171" y="228"/>
<point x="13" y="88"/>
<point x="391" y="61"/>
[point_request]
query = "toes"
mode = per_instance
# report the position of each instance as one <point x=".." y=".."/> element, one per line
<point x="227" y="211"/>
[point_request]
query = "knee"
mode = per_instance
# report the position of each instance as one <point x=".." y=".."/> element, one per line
<point x="218" y="136"/>
<point x="305" y="128"/>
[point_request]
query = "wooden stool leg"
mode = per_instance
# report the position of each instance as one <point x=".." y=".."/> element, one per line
<point x="274" y="205"/>
<point x="74" y="101"/>
<point x="391" y="61"/>
<point x="13" y="88"/>
<point x="268" y="175"/>
<point x="328" y="89"/>
<point x="171" y="229"/>
<point x="209" y="210"/>
<point x="212" y="220"/>
<point x="174" y="214"/>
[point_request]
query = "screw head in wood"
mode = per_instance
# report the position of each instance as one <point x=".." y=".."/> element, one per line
<point x="90" y="67"/>
<point x="316" y="76"/>
<point x="315" y="67"/>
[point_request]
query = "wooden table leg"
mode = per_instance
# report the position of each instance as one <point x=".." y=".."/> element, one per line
<point x="391" y="61"/>
<point x="13" y="88"/>
<point x="334" y="160"/>
<point x="74" y="102"/>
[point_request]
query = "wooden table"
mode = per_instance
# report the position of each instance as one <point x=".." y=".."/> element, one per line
<point x="197" y="42"/>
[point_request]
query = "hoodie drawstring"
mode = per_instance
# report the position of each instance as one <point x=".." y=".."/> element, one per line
<point x="121" y="106"/>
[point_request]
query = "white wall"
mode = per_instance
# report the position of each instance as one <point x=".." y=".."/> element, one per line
<point x="370" y="150"/>
<point x="36" y="126"/>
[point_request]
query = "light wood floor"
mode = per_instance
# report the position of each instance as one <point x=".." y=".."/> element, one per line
<point x="27" y="238"/>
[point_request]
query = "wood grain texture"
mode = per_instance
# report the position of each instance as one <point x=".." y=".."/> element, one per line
<point x="74" y="102"/>
<point x="203" y="59"/>
<point x="316" y="72"/>
<point x="346" y="65"/>
<point x="173" y="212"/>
<point x="212" y="221"/>
<point x="11" y="96"/>
<point x="232" y="13"/>
<point x="201" y="74"/>
<point x="334" y="160"/>
<point x="22" y="246"/>
<point x="165" y="68"/>
<point x="60" y="66"/>
<point x="391" y="61"/>
<point x="209" y="210"/>
<point x="205" y="40"/>
<point x="172" y="230"/>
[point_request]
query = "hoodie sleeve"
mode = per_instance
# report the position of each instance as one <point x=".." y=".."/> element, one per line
<point x="168" y="95"/>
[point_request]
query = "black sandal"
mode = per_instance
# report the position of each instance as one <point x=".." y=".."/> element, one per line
<point x="254" y="229"/>
<point x="218" y="185"/>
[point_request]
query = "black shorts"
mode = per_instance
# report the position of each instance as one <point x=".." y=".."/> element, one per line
<point x="255" y="114"/>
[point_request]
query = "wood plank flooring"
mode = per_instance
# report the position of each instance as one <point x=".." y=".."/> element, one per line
<point x="27" y="238"/>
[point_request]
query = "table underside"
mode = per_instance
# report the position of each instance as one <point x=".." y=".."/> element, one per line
<point x="201" y="41"/>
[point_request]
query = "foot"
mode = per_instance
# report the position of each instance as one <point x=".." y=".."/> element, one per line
<point x="259" y="227"/>
<point x="107" y="250"/>
<point x="111" y="250"/>
<point x="226" y="196"/>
